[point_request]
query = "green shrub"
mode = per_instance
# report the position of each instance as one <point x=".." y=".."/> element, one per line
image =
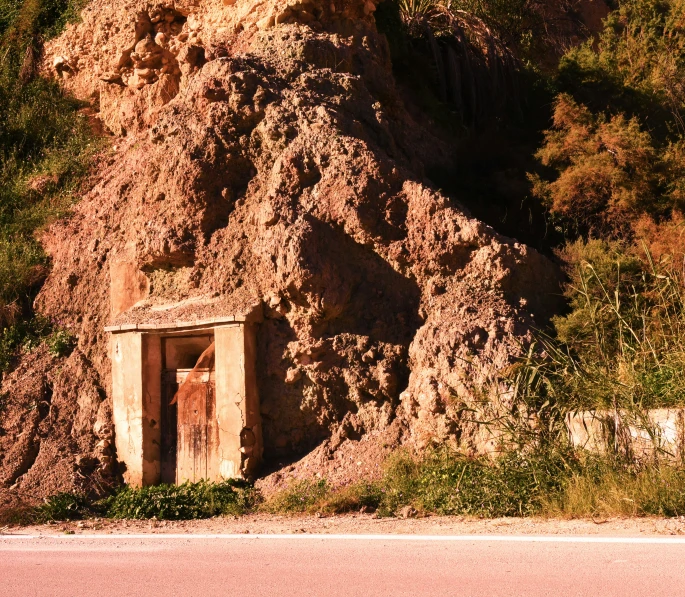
<point x="609" y="172"/>
<point x="447" y="483"/>
<point x="622" y="344"/>
<point x="62" y="506"/>
<point x="60" y="342"/>
<point x="441" y="482"/>
<point x="180" y="502"/>
<point x="638" y="64"/>
<point x="556" y="483"/>
<point x="615" y="150"/>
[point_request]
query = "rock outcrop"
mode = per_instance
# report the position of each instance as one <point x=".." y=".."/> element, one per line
<point x="263" y="155"/>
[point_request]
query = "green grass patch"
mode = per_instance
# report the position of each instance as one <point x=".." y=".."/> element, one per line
<point x="447" y="483"/>
<point x="46" y="147"/>
<point x="300" y="496"/>
<point x="571" y="484"/>
<point x="442" y="482"/>
<point x="548" y="484"/>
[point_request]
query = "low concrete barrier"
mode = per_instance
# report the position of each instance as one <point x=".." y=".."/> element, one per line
<point x="641" y="434"/>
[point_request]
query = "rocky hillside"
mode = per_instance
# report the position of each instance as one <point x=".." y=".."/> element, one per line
<point x="262" y="155"/>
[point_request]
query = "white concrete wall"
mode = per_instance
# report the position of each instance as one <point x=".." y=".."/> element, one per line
<point x="136" y="405"/>
<point x="656" y="431"/>
<point x="127" y="403"/>
<point x="237" y="406"/>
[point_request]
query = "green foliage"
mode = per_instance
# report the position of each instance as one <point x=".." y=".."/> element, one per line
<point x="27" y="334"/>
<point x="615" y="151"/>
<point x="362" y="496"/>
<point x="22" y="335"/>
<point x="606" y="487"/>
<point x="621" y="346"/>
<point x="60" y="343"/>
<point x="45" y="148"/>
<point x="638" y="65"/>
<point x="300" y="496"/>
<point x="609" y="171"/>
<point x="441" y="482"/>
<point x="518" y="23"/>
<point x="549" y="482"/>
<point x="449" y="483"/>
<point x="181" y="502"/>
<point x="62" y="506"/>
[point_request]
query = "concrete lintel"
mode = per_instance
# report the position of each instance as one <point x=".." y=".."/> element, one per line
<point x="180" y="326"/>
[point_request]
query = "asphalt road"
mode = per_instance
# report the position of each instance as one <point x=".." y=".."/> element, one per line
<point x="78" y="566"/>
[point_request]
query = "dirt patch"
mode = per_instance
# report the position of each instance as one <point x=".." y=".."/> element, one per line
<point x="367" y="524"/>
<point x="55" y="432"/>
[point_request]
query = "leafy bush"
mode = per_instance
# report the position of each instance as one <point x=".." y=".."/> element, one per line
<point x="60" y="342"/>
<point x="447" y="483"/>
<point x="548" y="482"/>
<point x="557" y="483"/>
<point x="181" y="502"/>
<point x="441" y="482"/>
<point x="638" y="65"/>
<point x="62" y="506"/>
<point x="616" y="148"/>
<point x="609" y="172"/>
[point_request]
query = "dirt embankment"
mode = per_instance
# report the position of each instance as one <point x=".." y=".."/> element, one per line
<point x="263" y="155"/>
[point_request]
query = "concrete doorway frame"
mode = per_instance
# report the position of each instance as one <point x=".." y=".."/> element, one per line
<point x="137" y="369"/>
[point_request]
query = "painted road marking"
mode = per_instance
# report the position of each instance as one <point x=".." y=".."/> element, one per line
<point x="321" y="536"/>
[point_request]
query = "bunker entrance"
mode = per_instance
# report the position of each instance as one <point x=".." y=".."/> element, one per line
<point x="184" y="399"/>
<point x="189" y="433"/>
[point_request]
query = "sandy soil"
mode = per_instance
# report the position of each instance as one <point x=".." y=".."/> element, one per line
<point x="367" y="524"/>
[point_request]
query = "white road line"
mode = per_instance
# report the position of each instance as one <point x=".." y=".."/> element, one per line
<point x="321" y="536"/>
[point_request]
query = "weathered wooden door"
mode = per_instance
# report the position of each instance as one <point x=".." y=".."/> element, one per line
<point x="196" y="428"/>
<point x="188" y="448"/>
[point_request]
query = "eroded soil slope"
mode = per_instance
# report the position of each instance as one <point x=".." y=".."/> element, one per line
<point x="263" y="157"/>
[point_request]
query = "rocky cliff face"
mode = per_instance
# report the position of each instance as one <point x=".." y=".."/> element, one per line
<point x="262" y="155"/>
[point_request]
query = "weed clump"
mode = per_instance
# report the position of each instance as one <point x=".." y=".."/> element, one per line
<point x="568" y="484"/>
<point x="605" y="487"/>
<point x="563" y="483"/>
<point x="62" y="506"/>
<point x="447" y="483"/>
<point x="181" y="502"/>
<point x="300" y="496"/>
<point x="442" y="482"/>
